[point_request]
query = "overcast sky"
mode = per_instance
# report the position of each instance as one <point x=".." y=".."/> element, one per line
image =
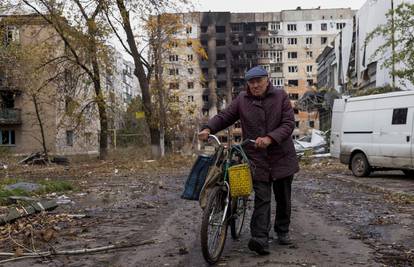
<point x="272" y="5"/>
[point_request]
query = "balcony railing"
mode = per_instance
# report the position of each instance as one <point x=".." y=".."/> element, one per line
<point x="10" y="116"/>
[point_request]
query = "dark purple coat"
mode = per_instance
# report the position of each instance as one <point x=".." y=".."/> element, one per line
<point x="271" y="115"/>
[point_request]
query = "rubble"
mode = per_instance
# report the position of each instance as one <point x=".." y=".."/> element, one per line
<point x="23" y="211"/>
<point x="28" y="187"/>
<point x="36" y="158"/>
<point x="316" y="143"/>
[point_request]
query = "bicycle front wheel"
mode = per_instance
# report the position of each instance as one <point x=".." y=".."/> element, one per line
<point x="214" y="226"/>
<point x="238" y="210"/>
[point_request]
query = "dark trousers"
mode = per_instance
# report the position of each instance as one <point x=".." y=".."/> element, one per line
<point x="260" y="223"/>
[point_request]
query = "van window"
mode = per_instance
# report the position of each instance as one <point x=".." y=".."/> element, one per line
<point x="399" y="116"/>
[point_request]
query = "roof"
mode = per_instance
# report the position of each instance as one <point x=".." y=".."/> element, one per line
<point x="379" y="96"/>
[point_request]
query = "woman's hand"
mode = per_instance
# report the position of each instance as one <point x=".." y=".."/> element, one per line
<point x="263" y="142"/>
<point x="203" y="135"/>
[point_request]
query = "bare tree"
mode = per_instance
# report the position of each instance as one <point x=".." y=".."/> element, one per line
<point x="121" y="16"/>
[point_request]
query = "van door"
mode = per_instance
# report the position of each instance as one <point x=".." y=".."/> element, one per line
<point x="336" y="127"/>
<point x="392" y="144"/>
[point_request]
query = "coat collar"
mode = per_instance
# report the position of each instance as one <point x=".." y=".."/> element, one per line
<point x="269" y="91"/>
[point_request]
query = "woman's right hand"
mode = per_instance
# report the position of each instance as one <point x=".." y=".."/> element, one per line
<point x="203" y="135"/>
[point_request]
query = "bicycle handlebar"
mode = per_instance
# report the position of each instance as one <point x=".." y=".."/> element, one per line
<point x="246" y="141"/>
<point x="215" y="138"/>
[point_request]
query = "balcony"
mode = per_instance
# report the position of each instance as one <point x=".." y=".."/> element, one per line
<point x="5" y="86"/>
<point x="10" y="116"/>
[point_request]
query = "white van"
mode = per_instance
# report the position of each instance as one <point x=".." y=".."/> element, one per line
<point x="374" y="132"/>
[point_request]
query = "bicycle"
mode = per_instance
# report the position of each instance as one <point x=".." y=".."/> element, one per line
<point x="221" y="209"/>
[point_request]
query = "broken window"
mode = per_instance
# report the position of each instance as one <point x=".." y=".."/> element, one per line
<point x="173" y="58"/>
<point x="7" y="137"/>
<point x="293" y="82"/>
<point x="293" y="96"/>
<point x="174" y="86"/>
<point x="274" y="26"/>
<point x="221" y="71"/>
<point x="173" y="71"/>
<point x="291" y="27"/>
<point x="292" y="55"/>
<point x="324" y="27"/>
<point x="220" y="29"/>
<point x="220" y="56"/>
<point x="236" y="27"/>
<point x="69" y="138"/>
<point x="399" y="116"/>
<point x="293" y="69"/>
<point x="250" y="39"/>
<point x="11" y="34"/>
<point x="292" y="41"/>
<point x="340" y="26"/>
<point x="220" y="42"/>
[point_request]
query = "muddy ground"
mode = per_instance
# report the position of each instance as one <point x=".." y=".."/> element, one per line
<point x="337" y="219"/>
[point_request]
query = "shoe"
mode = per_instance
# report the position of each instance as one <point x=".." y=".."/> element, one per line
<point x="284" y="239"/>
<point x="257" y="247"/>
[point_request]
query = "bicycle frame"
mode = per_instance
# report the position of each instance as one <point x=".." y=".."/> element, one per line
<point x="224" y="160"/>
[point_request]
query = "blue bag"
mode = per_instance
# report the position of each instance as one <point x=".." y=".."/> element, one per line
<point x="197" y="178"/>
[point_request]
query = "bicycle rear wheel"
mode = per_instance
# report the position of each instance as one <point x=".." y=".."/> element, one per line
<point x="238" y="209"/>
<point x="213" y="228"/>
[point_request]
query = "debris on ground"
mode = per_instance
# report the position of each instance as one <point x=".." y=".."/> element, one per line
<point x="63" y="200"/>
<point x="36" y="158"/>
<point x="3" y="166"/>
<point x="28" y="187"/>
<point x="60" y="160"/>
<point x="23" y="211"/>
<point x="316" y="142"/>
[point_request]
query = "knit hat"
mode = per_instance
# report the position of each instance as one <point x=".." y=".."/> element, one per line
<point x="255" y="72"/>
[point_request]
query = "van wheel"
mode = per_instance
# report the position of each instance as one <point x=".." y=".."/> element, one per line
<point x="409" y="173"/>
<point x="359" y="165"/>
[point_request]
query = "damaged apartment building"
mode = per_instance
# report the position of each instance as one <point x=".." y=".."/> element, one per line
<point x="19" y="126"/>
<point x="285" y="43"/>
<point x="349" y="64"/>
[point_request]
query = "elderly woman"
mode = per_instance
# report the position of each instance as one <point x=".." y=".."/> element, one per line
<point x="266" y="116"/>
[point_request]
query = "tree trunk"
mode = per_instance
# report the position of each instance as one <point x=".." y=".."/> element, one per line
<point x="155" y="147"/>
<point x="157" y="46"/>
<point x="103" y="134"/>
<point x="143" y="79"/>
<point x="103" y="117"/>
<point x="42" y="132"/>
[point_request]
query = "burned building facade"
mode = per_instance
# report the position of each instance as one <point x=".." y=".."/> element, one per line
<point x="285" y="43"/>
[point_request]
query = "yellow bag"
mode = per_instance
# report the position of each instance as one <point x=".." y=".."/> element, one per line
<point x="240" y="180"/>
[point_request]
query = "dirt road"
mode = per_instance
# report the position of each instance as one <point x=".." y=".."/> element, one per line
<point x="337" y="220"/>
